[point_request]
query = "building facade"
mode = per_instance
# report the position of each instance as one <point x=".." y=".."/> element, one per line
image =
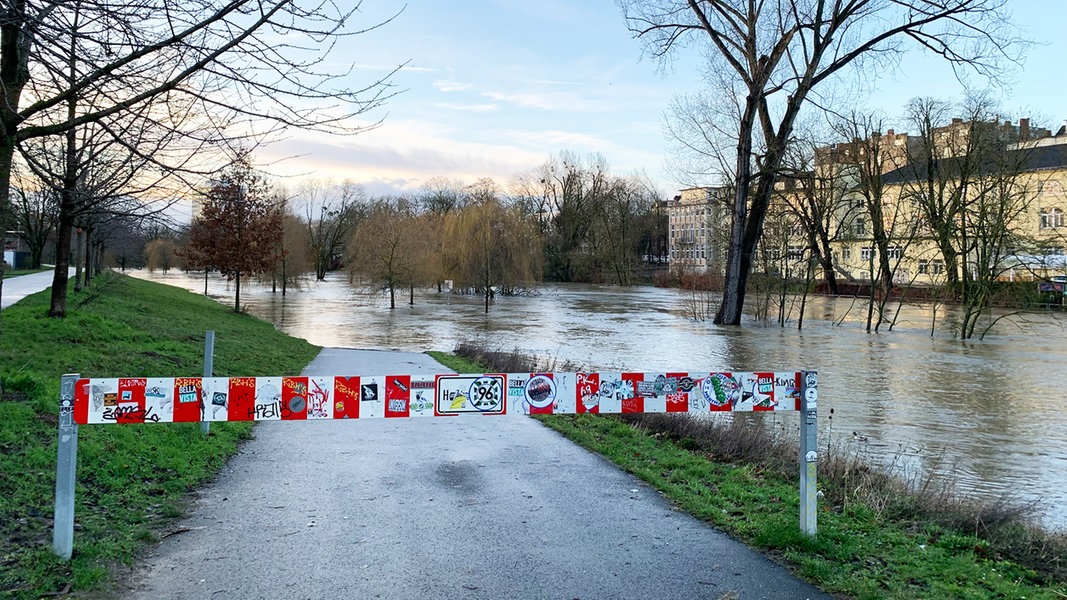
<point x="695" y="234"/>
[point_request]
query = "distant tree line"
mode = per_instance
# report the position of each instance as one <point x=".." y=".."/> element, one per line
<point x="567" y="220"/>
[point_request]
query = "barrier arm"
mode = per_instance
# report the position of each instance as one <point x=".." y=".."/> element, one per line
<point x="140" y="400"/>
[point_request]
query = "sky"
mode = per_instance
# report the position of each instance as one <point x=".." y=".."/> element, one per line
<point x="494" y="88"/>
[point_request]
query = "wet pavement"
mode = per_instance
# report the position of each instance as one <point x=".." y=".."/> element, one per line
<point x="478" y="507"/>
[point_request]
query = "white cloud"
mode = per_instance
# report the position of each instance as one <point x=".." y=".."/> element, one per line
<point x="526" y="100"/>
<point x="450" y="86"/>
<point x="477" y="108"/>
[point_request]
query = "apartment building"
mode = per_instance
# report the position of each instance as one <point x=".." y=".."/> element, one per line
<point x="1019" y="191"/>
<point x="695" y="235"/>
<point x="1024" y="175"/>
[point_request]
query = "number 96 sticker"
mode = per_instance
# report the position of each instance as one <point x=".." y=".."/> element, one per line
<point x="458" y="394"/>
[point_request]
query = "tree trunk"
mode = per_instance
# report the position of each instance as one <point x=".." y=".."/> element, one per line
<point x="284" y="278"/>
<point x="90" y="257"/>
<point x="733" y="295"/>
<point x="14" y="73"/>
<point x="237" y="293"/>
<point x="58" y="308"/>
<point x="79" y="249"/>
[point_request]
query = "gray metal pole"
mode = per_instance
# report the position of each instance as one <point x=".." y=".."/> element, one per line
<point x="809" y="451"/>
<point x="209" y="367"/>
<point x="66" y="470"/>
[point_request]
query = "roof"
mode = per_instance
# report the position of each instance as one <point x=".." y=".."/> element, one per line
<point x="1032" y="159"/>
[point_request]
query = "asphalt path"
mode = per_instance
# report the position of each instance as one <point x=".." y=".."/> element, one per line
<point x="470" y="508"/>
<point x="17" y="288"/>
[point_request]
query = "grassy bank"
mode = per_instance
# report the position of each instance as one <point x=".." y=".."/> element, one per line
<point x="132" y="480"/>
<point x="879" y="536"/>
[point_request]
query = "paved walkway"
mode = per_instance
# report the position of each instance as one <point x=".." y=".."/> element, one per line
<point x="470" y="508"/>
<point x="17" y="288"/>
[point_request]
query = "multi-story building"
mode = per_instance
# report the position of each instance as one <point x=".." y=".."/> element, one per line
<point x="695" y="235"/>
<point x="1017" y="190"/>
<point x="1015" y="187"/>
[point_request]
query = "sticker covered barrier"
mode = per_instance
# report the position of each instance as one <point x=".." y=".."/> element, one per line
<point x="195" y="399"/>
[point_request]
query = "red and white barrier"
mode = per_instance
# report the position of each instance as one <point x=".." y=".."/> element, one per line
<point x="195" y="399"/>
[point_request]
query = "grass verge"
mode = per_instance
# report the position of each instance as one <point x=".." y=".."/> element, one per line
<point x="879" y="537"/>
<point x="132" y="480"/>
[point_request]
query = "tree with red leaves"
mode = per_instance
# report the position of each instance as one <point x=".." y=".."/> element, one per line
<point x="239" y="227"/>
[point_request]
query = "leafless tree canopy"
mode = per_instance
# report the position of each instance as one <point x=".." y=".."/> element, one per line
<point x="153" y="85"/>
<point x="778" y="51"/>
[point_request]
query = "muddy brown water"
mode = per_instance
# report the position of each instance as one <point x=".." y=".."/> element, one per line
<point x="990" y="415"/>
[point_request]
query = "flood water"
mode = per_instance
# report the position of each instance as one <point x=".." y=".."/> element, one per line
<point x="990" y="414"/>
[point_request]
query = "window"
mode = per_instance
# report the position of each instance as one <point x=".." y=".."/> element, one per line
<point x="931" y="267"/>
<point x="859" y="226"/>
<point x="866" y="253"/>
<point x="796" y="252"/>
<point x="1051" y="218"/>
<point x="846" y="253"/>
<point x="894" y="253"/>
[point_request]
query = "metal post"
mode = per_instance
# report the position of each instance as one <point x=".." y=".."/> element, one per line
<point x="209" y="360"/>
<point x="809" y="455"/>
<point x="66" y="470"/>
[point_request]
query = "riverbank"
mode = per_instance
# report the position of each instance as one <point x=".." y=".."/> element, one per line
<point x="880" y="535"/>
<point x="121" y="325"/>
<point x="132" y="482"/>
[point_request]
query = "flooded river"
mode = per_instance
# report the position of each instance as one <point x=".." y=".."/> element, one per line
<point x="990" y="414"/>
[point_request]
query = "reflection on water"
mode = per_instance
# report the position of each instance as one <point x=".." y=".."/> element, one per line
<point x="992" y="413"/>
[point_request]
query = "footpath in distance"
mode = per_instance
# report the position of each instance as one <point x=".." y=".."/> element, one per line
<point x="466" y="507"/>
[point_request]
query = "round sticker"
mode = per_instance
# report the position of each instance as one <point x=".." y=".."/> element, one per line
<point x="484" y="394"/>
<point x="540" y="391"/>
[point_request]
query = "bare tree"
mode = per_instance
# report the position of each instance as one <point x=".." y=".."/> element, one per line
<point x="332" y="211"/>
<point x="247" y="66"/>
<point x="386" y="246"/>
<point x="36" y="209"/>
<point x="888" y="225"/>
<point x="779" y="52"/>
<point x="817" y="201"/>
<point x="441" y="195"/>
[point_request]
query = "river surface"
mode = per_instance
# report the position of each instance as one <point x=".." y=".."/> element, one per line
<point x="990" y="415"/>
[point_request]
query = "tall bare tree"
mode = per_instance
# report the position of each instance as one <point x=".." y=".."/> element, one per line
<point x="247" y="66"/>
<point x="779" y="52"/>
<point x="332" y="211"/>
<point x="387" y="246"/>
<point x="36" y="210"/>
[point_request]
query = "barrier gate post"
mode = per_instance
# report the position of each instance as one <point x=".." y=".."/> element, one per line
<point x="209" y="368"/>
<point x="66" y="470"/>
<point x="809" y="452"/>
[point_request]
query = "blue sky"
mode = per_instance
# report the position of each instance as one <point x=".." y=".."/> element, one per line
<point x="493" y="88"/>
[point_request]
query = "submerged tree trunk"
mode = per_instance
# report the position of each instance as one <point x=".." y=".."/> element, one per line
<point x="237" y="293"/>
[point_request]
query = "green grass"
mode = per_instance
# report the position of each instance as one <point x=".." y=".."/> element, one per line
<point x="132" y="480"/>
<point x="857" y="552"/>
<point x="8" y="274"/>
<point x="456" y="363"/>
<point x="860" y="552"/>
